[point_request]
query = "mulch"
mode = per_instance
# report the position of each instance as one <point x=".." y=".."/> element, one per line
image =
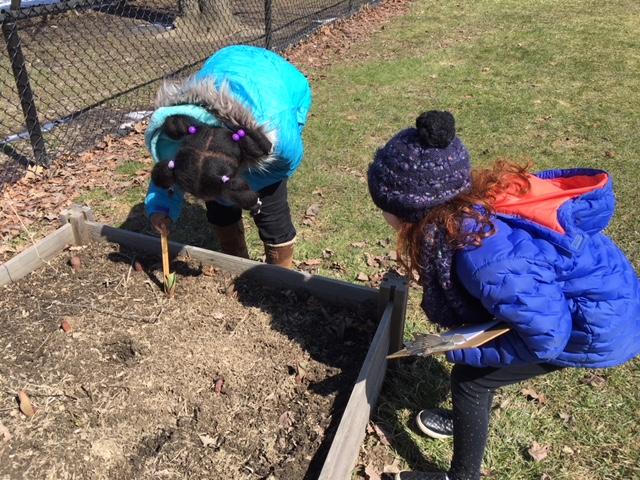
<point x="228" y="379"/>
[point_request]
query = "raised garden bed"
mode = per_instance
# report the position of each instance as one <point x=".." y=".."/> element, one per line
<point x="251" y="371"/>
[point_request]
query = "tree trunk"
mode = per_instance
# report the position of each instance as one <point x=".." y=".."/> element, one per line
<point x="211" y="13"/>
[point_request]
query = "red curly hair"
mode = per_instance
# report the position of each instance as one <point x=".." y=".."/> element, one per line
<point x="487" y="185"/>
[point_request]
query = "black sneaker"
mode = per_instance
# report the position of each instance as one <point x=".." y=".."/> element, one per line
<point x="436" y="423"/>
<point x="421" y="476"/>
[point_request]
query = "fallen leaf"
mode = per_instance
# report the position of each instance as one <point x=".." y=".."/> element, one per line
<point x="393" y="468"/>
<point x="371" y="472"/>
<point x="218" y="386"/>
<point x="75" y="263"/>
<point x="208" y="441"/>
<point x="371" y="260"/>
<point x="327" y="253"/>
<point x="65" y="326"/>
<point x="393" y="255"/>
<point x="301" y="371"/>
<point x="594" y="380"/>
<point x="286" y="419"/>
<point x="217" y="315"/>
<point x="538" y="452"/>
<point x="381" y="435"/>
<point x="313" y="210"/>
<point x="25" y="404"/>
<point x="567" y="450"/>
<point x="312" y="262"/>
<point x="338" y="267"/>
<point x="566" y="417"/>
<point x="362" y="277"/>
<point x="359" y="244"/>
<point x="209" y="271"/>
<point x="536" y="396"/>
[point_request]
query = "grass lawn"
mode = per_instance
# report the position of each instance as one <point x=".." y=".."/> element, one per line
<point x="554" y="81"/>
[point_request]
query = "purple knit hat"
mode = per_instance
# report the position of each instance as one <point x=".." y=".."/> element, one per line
<point x="420" y="168"/>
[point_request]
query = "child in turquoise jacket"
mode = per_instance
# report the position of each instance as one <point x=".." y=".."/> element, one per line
<point x="261" y="101"/>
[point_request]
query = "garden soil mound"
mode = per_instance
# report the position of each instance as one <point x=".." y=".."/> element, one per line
<point x="227" y="380"/>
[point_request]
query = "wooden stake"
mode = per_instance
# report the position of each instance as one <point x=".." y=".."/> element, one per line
<point x="164" y="242"/>
<point x="169" y="278"/>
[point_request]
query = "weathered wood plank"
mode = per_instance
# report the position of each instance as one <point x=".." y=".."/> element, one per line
<point x="36" y="255"/>
<point x="330" y="290"/>
<point x="348" y="439"/>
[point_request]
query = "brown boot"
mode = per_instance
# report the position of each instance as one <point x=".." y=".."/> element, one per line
<point x="231" y="239"/>
<point x="281" y="255"/>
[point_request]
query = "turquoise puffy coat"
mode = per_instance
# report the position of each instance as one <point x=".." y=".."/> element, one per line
<point x="238" y="86"/>
<point x="569" y="294"/>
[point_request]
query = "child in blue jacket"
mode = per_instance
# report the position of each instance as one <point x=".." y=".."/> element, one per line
<point x="231" y="135"/>
<point x="501" y="243"/>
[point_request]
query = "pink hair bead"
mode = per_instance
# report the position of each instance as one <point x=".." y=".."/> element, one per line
<point x="192" y="129"/>
<point x="171" y="164"/>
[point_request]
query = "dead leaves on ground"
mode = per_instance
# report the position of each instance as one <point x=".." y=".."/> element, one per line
<point x="38" y="195"/>
<point x="595" y="381"/>
<point x="538" y="397"/>
<point x="376" y="457"/>
<point x="310" y="214"/>
<point x="538" y="451"/>
<point x="332" y="41"/>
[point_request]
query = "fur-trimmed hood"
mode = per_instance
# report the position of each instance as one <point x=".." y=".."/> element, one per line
<point x="219" y="101"/>
<point x="239" y="86"/>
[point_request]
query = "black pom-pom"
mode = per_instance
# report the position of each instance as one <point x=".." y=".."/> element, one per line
<point x="436" y="129"/>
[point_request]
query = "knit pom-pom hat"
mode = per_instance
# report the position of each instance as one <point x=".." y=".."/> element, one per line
<point x="420" y="168"/>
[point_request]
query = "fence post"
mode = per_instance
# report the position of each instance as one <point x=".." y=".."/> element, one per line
<point x="267" y="23"/>
<point x="14" y="50"/>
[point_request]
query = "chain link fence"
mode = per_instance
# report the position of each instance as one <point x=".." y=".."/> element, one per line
<point x="77" y="70"/>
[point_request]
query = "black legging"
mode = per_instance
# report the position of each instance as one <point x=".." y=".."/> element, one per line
<point x="274" y="220"/>
<point x="472" y="392"/>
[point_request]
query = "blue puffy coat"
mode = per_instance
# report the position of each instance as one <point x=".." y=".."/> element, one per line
<point x="238" y="86"/>
<point x="568" y="293"/>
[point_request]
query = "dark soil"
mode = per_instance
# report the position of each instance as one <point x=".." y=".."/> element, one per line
<point x="227" y="380"/>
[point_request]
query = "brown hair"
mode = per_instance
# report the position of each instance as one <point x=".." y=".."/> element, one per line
<point x="487" y="185"/>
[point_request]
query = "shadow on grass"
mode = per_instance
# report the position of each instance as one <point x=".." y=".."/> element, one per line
<point x="411" y="384"/>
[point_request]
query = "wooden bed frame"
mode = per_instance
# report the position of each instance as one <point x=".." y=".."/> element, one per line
<point x="389" y="301"/>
